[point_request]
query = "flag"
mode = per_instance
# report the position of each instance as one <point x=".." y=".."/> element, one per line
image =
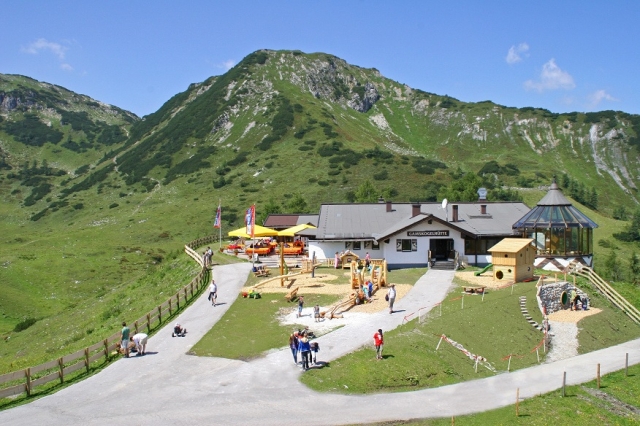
<point x="250" y="220"/>
<point x="217" y="222"/>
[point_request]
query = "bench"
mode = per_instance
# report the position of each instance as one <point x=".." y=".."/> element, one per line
<point x="262" y="272"/>
<point x="292" y="294"/>
<point x="474" y="289"/>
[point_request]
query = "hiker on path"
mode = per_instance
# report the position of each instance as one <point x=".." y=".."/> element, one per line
<point x="213" y="292"/>
<point x="140" y="340"/>
<point x="391" y="297"/>
<point x="378" y="341"/>
<point x="305" y="351"/>
<point x="124" y="339"/>
<point x="293" y="344"/>
<point x="300" y="305"/>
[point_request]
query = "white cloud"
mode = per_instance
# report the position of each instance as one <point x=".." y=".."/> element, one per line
<point x="551" y="78"/>
<point x="226" y="65"/>
<point x="43" y="44"/>
<point x="516" y="52"/>
<point x="66" y="67"/>
<point x="598" y="96"/>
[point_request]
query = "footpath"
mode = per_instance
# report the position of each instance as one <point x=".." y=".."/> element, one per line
<point x="167" y="386"/>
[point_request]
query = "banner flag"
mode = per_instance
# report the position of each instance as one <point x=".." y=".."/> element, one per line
<point x="250" y="220"/>
<point x="217" y="222"/>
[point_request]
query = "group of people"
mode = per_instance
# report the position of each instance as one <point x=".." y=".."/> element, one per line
<point x="206" y="257"/>
<point x="299" y="343"/>
<point x="128" y="343"/>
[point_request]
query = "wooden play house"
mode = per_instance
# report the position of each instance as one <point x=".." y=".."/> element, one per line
<point x="513" y="259"/>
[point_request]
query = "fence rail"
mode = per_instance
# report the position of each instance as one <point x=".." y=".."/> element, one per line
<point x="21" y="381"/>
<point x="609" y="292"/>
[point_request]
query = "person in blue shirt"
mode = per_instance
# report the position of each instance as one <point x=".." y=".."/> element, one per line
<point x="305" y="351"/>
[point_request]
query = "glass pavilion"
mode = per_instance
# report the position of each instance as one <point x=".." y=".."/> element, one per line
<point x="557" y="228"/>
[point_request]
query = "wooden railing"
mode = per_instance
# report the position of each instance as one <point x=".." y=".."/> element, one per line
<point x="609" y="292"/>
<point x="17" y="382"/>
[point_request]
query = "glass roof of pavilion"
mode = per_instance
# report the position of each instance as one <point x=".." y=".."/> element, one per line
<point x="554" y="211"/>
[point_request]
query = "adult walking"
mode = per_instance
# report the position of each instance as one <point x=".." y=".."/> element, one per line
<point x="378" y="341"/>
<point x="140" y="340"/>
<point x="304" y="347"/>
<point x="124" y="339"/>
<point x="300" y="305"/>
<point x="293" y="344"/>
<point x="213" y="292"/>
<point x="391" y="297"/>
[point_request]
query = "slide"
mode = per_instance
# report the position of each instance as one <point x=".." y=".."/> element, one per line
<point x="482" y="271"/>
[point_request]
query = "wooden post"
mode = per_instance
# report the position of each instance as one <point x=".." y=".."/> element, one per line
<point x="574" y="280"/>
<point x="149" y="322"/>
<point x="106" y="350"/>
<point x="281" y="264"/>
<point x="169" y="306"/>
<point x="178" y="300"/>
<point x="160" y="314"/>
<point x="186" y="298"/>
<point x="27" y="373"/>
<point x="518" y="402"/>
<point x="509" y="364"/>
<point x="462" y="301"/>
<point x="86" y="358"/>
<point x="598" y="375"/>
<point x="565" y="276"/>
<point x="453" y="420"/>
<point x="564" y="384"/>
<point x="441" y="337"/>
<point x="61" y="370"/>
<point x="626" y="365"/>
<point x="538" y="355"/>
<point x="191" y="288"/>
<point x="135" y="326"/>
<point x="556" y="276"/>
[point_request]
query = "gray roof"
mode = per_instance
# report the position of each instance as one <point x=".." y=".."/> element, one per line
<point x="373" y="221"/>
<point x="554" y="197"/>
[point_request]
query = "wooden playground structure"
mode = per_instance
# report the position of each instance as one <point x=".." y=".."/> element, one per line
<point x="377" y="273"/>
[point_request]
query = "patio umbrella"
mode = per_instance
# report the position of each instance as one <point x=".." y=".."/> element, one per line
<point x="259" y="231"/>
<point x="290" y="232"/>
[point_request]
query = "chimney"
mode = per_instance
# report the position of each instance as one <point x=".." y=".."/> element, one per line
<point x="389" y="207"/>
<point x="415" y="210"/>
<point x="483" y="209"/>
<point x="455" y="213"/>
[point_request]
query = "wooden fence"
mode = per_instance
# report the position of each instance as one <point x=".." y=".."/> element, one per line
<point x="609" y="292"/>
<point x="17" y="382"/>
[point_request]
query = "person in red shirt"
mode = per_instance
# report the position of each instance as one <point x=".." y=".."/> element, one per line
<point x="378" y="341"/>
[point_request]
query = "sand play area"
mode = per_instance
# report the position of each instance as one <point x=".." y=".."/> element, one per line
<point x="487" y="280"/>
<point x="335" y="282"/>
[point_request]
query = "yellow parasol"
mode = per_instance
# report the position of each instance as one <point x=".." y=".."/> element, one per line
<point x="259" y="231"/>
<point x="290" y="232"/>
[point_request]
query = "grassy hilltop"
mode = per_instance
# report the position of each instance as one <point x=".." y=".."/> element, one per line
<point x="97" y="202"/>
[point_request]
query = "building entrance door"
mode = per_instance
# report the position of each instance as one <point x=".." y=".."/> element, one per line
<point x="440" y="248"/>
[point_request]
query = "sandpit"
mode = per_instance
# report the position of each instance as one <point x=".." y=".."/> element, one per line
<point x="572" y="316"/>
<point x="329" y="283"/>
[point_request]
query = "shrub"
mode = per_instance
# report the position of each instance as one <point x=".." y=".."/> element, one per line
<point x="24" y="324"/>
<point x="113" y="205"/>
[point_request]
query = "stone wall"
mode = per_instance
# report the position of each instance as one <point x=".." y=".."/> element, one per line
<point x="550" y="296"/>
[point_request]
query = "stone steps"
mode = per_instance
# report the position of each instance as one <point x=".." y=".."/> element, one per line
<point x="525" y="313"/>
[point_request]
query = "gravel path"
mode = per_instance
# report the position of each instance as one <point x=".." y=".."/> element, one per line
<point x="169" y="387"/>
<point x="564" y="341"/>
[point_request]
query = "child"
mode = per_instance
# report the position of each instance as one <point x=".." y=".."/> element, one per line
<point x="315" y="347"/>
<point x="316" y="313"/>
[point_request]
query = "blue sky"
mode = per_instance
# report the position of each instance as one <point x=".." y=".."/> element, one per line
<point x="558" y="55"/>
